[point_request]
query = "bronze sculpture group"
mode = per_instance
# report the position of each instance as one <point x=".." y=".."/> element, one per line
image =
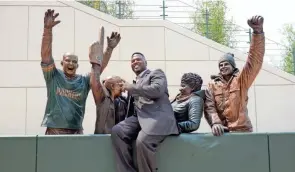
<point x="145" y="115"/>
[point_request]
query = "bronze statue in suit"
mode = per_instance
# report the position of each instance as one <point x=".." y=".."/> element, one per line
<point x="151" y="123"/>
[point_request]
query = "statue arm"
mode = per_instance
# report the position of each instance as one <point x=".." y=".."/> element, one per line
<point x="195" y="112"/>
<point x="254" y="61"/>
<point x="155" y="89"/>
<point x="106" y="58"/>
<point x="96" y="85"/>
<point x="47" y="62"/>
<point x="210" y="110"/>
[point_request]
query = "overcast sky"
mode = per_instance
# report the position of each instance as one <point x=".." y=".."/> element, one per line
<point x="275" y="12"/>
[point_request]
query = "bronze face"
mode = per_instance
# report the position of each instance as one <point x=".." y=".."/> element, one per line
<point x="225" y="68"/>
<point x="185" y="90"/>
<point x="138" y="64"/>
<point x="113" y="83"/>
<point x="70" y="64"/>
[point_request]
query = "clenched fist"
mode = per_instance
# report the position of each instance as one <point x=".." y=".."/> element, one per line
<point x="256" y="23"/>
<point x="125" y="86"/>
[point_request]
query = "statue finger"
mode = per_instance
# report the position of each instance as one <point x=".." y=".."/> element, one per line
<point x="101" y="40"/>
<point x="56" y="22"/>
<point x="113" y="35"/>
<point x="56" y="15"/>
<point x="215" y="131"/>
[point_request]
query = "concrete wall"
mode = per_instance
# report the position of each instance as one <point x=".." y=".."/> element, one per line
<point x="187" y="152"/>
<point x="166" y="46"/>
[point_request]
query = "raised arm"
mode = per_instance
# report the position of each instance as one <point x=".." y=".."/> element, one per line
<point x="113" y="41"/>
<point x="256" y="53"/>
<point x="46" y="48"/>
<point x="95" y="58"/>
<point x="47" y="62"/>
<point x="156" y="88"/>
<point x="195" y="112"/>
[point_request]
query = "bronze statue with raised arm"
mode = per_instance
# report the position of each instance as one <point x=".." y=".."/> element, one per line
<point x="104" y="93"/>
<point x="227" y="93"/>
<point x="66" y="91"/>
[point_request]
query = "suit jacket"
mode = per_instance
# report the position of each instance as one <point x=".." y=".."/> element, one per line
<point x="152" y="105"/>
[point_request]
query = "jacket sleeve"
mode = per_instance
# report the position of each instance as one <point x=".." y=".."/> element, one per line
<point x="156" y="88"/>
<point x="210" y="110"/>
<point x="195" y="112"/>
<point x="254" y="61"/>
<point x="120" y="109"/>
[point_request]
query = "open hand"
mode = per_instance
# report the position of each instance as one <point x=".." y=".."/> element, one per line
<point x="114" y="40"/>
<point x="96" y="49"/>
<point x="256" y="23"/>
<point x="218" y="129"/>
<point x="49" y="19"/>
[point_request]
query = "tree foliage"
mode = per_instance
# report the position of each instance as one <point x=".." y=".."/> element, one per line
<point x="209" y="20"/>
<point x="288" y="32"/>
<point x="120" y="9"/>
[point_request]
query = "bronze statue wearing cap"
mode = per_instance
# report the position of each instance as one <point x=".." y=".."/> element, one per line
<point x="226" y="95"/>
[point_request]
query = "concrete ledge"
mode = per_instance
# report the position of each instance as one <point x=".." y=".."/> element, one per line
<point x="75" y="154"/>
<point x="282" y="152"/>
<point x="187" y="152"/>
<point x="17" y="154"/>
<point x="205" y="153"/>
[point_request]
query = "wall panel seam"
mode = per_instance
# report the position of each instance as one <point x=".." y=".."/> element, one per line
<point x="268" y="151"/>
<point x="36" y="157"/>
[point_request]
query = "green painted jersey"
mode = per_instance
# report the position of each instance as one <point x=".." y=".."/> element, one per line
<point x="66" y="98"/>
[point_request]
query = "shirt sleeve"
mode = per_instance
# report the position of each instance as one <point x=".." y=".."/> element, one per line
<point x="87" y="81"/>
<point x="49" y="70"/>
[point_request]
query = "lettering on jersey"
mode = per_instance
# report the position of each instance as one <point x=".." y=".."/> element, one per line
<point x="68" y="93"/>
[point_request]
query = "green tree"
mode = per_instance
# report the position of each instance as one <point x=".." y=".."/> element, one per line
<point x="288" y="32"/>
<point x="120" y="9"/>
<point x="209" y="20"/>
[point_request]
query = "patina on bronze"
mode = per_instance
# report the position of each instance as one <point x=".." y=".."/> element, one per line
<point x="226" y="95"/>
<point x="104" y="93"/>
